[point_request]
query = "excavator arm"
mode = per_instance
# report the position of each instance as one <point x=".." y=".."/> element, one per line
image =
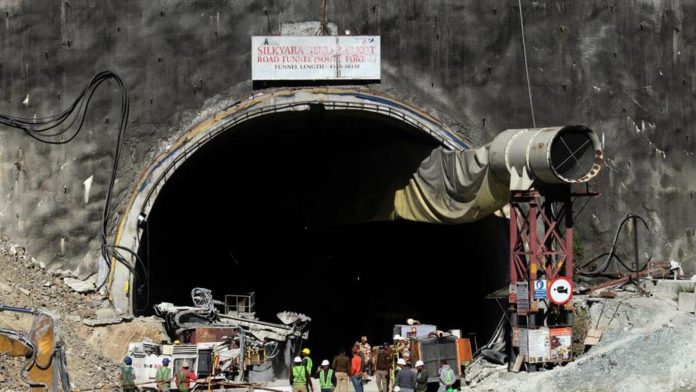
<point x="45" y="368"/>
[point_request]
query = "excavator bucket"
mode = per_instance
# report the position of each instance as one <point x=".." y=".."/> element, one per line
<point x="45" y="369"/>
<point x="43" y="336"/>
<point x="14" y="344"/>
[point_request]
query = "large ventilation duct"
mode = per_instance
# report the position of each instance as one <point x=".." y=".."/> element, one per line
<point x="464" y="186"/>
<point x="560" y="155"/>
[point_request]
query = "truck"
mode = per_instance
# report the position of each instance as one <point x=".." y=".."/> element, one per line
<point x="430" y="345"/>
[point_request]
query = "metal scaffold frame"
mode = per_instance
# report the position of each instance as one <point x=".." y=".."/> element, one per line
<point x="541" y="251"/>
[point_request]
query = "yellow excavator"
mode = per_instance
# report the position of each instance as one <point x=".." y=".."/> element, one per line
<point x="45" y="369"/>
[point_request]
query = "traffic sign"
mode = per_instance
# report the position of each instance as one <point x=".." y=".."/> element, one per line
<point x="561" y="290"/>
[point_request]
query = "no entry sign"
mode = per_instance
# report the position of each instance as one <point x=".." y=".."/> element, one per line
<point x="561" y="290"/>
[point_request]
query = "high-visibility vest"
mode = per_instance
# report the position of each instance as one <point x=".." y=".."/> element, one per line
<point x="308" y="364"/>
<point x="127" y="376"/>
<point x="299" y="376"/>
<point x="326" y="379"/>
<point x="183" y="384"/>
<point x="163" y="376"/>
<point x="448" y="376"/>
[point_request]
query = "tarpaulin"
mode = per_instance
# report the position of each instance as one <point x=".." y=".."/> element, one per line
<point x="452" y="187"/>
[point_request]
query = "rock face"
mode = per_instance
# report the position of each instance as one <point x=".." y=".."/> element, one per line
<point x="623" y="68"/>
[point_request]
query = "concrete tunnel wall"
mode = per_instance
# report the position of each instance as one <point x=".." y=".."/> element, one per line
<point x="624" y="68"/>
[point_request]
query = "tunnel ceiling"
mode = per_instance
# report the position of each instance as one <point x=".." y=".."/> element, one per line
<point x="303" y="168"/>
<point x="294" y="206"/>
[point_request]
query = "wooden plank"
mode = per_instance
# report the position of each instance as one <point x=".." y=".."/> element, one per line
<point x="593" y="336"/>
<point x="518" y="364"/>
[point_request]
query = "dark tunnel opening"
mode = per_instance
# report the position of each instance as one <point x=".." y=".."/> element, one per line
<point x="293" y="206"/>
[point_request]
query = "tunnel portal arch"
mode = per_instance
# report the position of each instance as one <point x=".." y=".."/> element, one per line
<point x="156" y="174"/>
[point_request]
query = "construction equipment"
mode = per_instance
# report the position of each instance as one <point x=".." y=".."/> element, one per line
<point x="214" y="363"/>
<point x="229" y="346"/>
<point x="45" y="368"/>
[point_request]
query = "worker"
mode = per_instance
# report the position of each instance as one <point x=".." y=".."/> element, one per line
<point x="406" y="378"/>
<point x="184" y="377"/>
<point x="421" y="377"/>
<point x="127" y="375"/>
<point x="341" y="365"/>
<point x="382" y="366"/>
<point x="163" y="377"/>
<point x="327" y="377"/>
<point x="367" y="354"/>
<point x="306" y="360"/>
<point x="447" y="377"/>
<point x="299" y="377"/>
<point x="356" y="368"/>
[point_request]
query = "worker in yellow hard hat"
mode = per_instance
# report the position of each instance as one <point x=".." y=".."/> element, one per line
<point x="177" y="342"/>
<point x="306" y="360"/>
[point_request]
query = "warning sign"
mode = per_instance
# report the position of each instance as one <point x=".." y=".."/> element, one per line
<point x="561" y="290"/>
<point x="540" y="288"/>
<point x="561" y="340"/>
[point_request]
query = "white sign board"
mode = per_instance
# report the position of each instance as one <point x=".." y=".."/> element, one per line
<point x="538" y="349"/>
<point x="522" y="289"/>
<point x="315" y="58"/>
<point x="561" y="290"/>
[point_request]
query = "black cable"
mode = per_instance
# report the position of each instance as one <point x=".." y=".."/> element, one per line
<point x="612" y="253"/>
<point x="53" y="130"/>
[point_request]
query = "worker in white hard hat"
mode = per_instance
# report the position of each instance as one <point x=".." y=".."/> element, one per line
<point x="185" y="377"/>
<point x="299" y="377"/>
<point x="421" y="377"/>
<point x="327" y="377"/>
<point x="406" y="378"/>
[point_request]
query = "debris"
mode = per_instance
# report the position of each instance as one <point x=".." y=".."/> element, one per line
<point x="607" y="294"/>
<point x="22" y="285"/>
<point x="106" y="316"/>
<point x="610" y="283"/>
<point x="5" y="288"/>
<point x="495" y="356"/>
<point x="687" y="302"/>
<point x="102" y="322"/>
<point x="81" y="286"/>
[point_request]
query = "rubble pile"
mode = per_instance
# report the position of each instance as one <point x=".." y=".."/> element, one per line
<point x="647" y="345"/>
<point x="25" y="282"/>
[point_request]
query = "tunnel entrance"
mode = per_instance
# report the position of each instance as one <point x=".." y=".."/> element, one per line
<point x="295" y="207"/>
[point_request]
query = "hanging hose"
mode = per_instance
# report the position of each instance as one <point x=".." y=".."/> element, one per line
<point x="612" y="254"/>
